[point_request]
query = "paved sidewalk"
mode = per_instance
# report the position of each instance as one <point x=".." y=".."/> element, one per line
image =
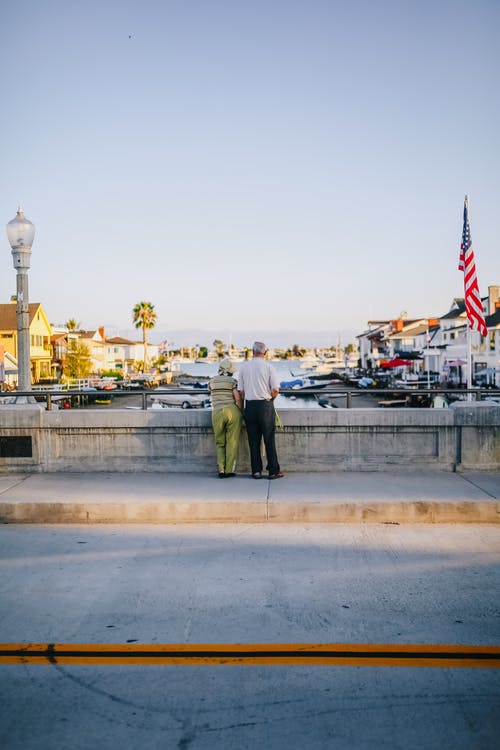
<point x="337" y="497"/>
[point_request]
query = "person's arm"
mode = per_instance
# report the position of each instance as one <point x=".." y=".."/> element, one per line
<point x="240" y="387"/>
<point x="238" y="399"/>
<point x="274" y="382"/>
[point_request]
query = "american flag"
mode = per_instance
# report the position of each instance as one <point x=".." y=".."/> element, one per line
<point x="467" y="264"/>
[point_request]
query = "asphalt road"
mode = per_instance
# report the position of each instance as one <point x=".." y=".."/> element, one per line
<point x="370" y="584"/>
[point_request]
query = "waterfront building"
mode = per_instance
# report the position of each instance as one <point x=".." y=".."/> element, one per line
<point x="123" y="354"/>
<point x="8" y="370"/>
<point x="385" y="339"/>
<point x="40" y="333"/>
<point x="485" y="349"/>
<point x="438" y="344"/>
<point x="94" y="341"/>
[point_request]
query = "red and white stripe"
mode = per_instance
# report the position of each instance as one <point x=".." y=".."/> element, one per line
<point x="467" y="264"/>
<point x="473" y="303"/>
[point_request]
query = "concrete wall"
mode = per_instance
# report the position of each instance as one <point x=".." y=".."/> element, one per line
<point x="466" y="437"/>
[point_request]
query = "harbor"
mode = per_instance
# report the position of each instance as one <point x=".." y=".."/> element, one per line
<point x="304" y="384"/>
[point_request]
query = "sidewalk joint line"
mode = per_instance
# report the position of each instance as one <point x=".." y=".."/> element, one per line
<point x="16" y="484"/>
<point x="466" y="479"/>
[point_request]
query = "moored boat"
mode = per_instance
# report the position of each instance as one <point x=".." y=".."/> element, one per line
<point x="304" y="385"/>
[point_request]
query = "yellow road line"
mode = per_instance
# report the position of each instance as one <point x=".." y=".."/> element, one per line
<point x="332" y="654"/>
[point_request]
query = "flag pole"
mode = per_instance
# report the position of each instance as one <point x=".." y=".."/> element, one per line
<point x="469" y="362"/>
<point x="469" y="332"/>
<point x="472" y="298"/>
<point x="428" y="358"/>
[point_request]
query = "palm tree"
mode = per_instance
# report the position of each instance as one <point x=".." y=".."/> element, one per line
<point x="144" y="317"/>
<point x="72" y="324"/>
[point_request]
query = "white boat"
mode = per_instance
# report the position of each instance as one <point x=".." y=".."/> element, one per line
<point x="304" y="385"/>
<point x="191" y="400"/>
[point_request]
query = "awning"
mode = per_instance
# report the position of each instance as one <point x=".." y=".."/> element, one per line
<point x="408" y="355"/>
<point x="396" y="362"/>
<point x="487" y="371"/>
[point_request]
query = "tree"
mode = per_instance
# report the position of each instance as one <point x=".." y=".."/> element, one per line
<point x="144" y="317"/>
<point x="297" y="351"/>
<point x="219" y="347"/>
<point x="78" y="362"/>
<point x="116" y="374"/>
<point x="73" y="325"/>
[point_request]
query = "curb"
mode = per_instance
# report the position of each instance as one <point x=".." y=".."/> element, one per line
<point x="461" y="512"/>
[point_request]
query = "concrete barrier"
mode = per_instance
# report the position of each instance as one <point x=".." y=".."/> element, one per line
<point x="465" y="437"/>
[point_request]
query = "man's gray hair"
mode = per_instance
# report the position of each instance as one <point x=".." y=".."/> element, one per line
<point x="259" y="347"/>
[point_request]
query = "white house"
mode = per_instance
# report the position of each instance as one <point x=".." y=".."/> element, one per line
<point x="440" y="343"/>
<point x="123" y="354"/>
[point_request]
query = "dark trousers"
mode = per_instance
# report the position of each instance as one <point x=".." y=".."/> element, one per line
<point x="260" y="421"/>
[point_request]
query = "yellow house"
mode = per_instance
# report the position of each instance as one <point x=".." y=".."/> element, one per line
<point x="40" y="333"/>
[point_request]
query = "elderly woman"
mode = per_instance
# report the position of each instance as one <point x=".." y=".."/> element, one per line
<point x="226" y="417"/>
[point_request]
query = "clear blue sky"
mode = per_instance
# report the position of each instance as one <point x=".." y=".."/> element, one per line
<point x="250" y="167"/>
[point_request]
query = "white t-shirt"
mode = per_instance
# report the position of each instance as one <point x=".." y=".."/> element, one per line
<point x="257" y="378"/>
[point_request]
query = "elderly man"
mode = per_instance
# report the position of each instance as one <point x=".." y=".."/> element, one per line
<point x="258" y="384"/>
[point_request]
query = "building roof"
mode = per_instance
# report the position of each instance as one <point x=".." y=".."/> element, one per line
<point x="120" y="340"/>
<point x="408" y="329"/>
<point x="417" y="330"/>
<point x="494" y="319"/>
<point x="8" y="315"/>
<point x="87" y="334"/>
<point x="457" y="308"/>
<point x="456" y="312"/>
<point x="373" y="332"/>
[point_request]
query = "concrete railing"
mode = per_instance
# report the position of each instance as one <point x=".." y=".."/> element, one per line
<point x="465" y="437"/>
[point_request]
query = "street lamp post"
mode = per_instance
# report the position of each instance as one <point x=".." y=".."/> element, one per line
<point x="21" y="233"/>
<point x="427" y="339"/>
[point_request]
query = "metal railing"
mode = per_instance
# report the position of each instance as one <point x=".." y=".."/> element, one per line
<point x="407" y="395"/>
<point x="403" y="396"/>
